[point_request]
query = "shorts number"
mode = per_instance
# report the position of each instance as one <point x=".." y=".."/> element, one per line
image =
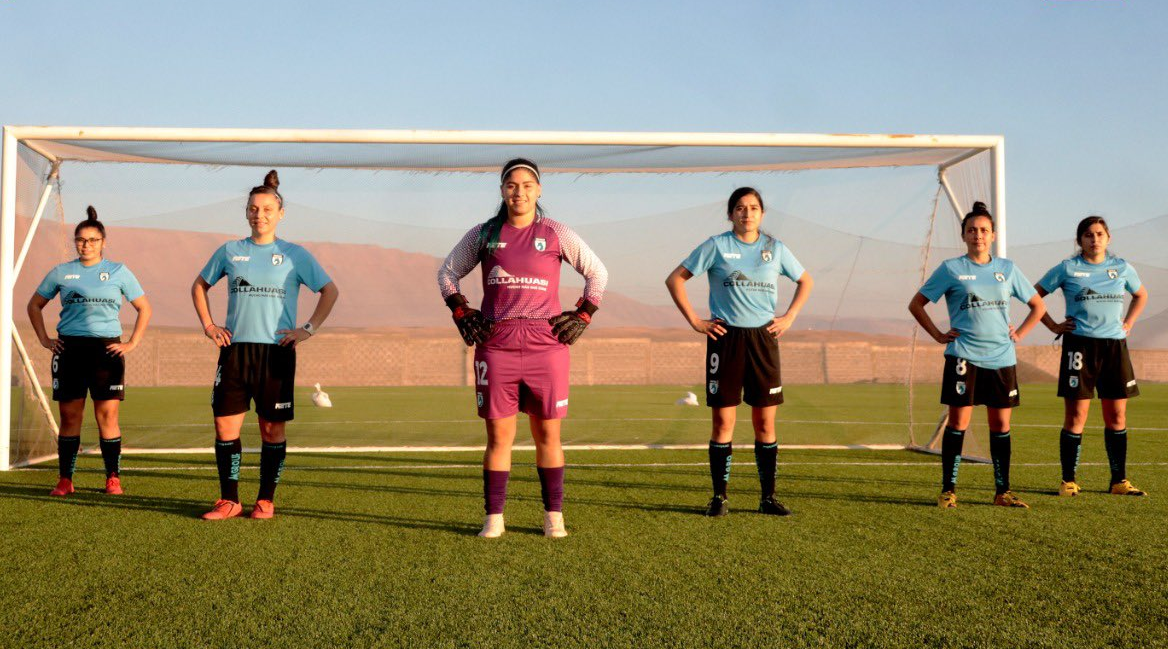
<point x="961" y="369"/>
<point x="714" y="363"/>
<point x="481" y="372"/>
<point x="55" y="363"/>
<point x="1074" y="360"/>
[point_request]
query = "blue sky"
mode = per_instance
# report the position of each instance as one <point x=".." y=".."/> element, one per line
<point x="1077" y="87"/>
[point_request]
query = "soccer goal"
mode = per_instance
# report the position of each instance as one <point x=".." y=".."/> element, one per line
<point x="868" y="215"/>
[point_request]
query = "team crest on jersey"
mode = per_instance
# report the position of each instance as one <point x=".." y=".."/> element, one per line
<point x="103" y="276"/>
<point x="713" y="387"/>
<point x="277" y="259"/>
<point x="1001" y="277"/>
<point x="540" y="244"/>
<point x="479" y="396"/>
<point x="1073" y="381"/>
<point x="1113" y="273"/>
<point x="767" y="256"/>
<point x="961" y="387"/>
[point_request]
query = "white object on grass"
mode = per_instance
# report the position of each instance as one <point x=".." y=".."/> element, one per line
<point x="321" y="399"/>
<point x="690" y="399"/>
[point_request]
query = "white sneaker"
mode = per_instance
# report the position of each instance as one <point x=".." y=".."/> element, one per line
<point x="493" y="526"/>
<point x="553" y="525"/>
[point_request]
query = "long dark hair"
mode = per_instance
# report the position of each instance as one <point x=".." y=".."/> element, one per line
<point x="979" y="209"/>
<point x="739" y="194"/>
<point x="90" y="222"/>
<point x="271" y="187"/>
<point x="492" y="229"/>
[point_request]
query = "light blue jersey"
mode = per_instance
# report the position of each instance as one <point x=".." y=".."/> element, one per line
<point x="978" y="299"/>
<point x="1093" y="293"/>
<point x="91" y="296"/>
<point x="263" y="282"/>
<point x="743" y="276"/>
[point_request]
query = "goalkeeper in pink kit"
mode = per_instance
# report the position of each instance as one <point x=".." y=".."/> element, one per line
<point x="521" y="337"/>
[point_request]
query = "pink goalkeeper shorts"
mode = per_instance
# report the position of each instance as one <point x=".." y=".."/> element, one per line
<point x="522" y="367"/>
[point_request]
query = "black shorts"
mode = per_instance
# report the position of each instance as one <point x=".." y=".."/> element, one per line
<point x="743" y="360"/>
<point x="86" y="366"/>
<point x="1090" y="364"/>
<point x="966" y="384"/>
<point x="260" y="371"/>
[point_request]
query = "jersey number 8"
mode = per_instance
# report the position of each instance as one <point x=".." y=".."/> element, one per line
<point x="961" y="369"/>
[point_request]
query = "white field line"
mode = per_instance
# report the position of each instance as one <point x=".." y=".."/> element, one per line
<point x="620" y="465"/>
<point x="359" y="422"/>
<point x="518" y="447"/>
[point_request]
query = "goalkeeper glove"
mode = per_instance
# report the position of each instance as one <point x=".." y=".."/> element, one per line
<point x="473" y="326"/>
<point x="568" y="326"/>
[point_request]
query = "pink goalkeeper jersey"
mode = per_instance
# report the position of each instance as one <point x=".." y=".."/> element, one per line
<point x="521" y="277"/>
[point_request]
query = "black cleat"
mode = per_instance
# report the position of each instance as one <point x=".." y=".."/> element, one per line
<point x="717" y="507"/>
<point x="773" y="507"/>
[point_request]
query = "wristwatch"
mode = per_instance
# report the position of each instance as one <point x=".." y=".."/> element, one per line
<point x="309" y="328"/>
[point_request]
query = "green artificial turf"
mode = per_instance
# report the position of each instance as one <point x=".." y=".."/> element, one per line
<point x="380" y="549"/>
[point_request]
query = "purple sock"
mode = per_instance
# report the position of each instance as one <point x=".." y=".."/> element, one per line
<point x="495" y="490"/>
<point x="551" y="487"/>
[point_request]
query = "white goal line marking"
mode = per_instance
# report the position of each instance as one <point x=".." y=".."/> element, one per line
<point x="599" y="465"/>
<point x="354" y="422"/>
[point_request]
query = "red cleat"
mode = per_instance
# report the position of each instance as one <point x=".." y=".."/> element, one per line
<point x="222" y="510"/>
<point x="113" y="485"/>
<point x="263" y="509"/>
<point x="64" y="487"/>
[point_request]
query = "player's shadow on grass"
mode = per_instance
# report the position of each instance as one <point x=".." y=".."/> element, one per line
<point x="85" y="497"/>
<point x="377" y="458"/>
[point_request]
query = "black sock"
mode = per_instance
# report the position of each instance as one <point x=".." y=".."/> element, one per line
<point x="111" y="455"/>
<point x="1116" y="443"/>
<point x="765" y="458"/>
<point x="1070" y="446"/>
<point x="951" y="443"/>
<point x="720" y="467"/>
<point x="227" y="458"/>
<point x="271" y="466"/>
<point x="1000" y="454"/>
<point x="67" y="448"/>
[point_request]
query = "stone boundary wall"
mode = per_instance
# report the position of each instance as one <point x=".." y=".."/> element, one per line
<point x="173" y="358"/>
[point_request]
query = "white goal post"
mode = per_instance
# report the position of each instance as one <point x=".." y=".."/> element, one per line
<point x="573" y="152"/>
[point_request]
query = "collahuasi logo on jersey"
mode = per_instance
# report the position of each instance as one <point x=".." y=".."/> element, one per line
<point x="73" y="297"/>
<point x="1090" y="295"/>
<point x="975" y="302"/>
<point x="277" y="259"/>
<point x="738" y="279"/>
<point x="500" y="277"/>
<point x="540" y="244"/>
<point x="242" y="286"/>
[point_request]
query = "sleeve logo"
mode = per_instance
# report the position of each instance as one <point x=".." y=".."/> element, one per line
<point x="1001" y="277"/>
<point x="540" y="244"/>
<point x="103" y="277"/>
<point x="277" y="259"/>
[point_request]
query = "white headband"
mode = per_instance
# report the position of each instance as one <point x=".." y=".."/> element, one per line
<point x="528" y="167"/>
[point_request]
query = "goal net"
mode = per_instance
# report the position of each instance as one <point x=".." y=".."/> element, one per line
<point x="868" y="216"/>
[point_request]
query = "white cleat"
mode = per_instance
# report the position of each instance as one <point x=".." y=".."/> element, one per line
<point x="493" y="526"/>
<point x="553" y="525"/>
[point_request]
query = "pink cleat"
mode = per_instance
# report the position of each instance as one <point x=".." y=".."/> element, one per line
<point x="113" y="485"/>
<point x="263" y="509"/>
<point x="64" y="487"/>
<point x="222" y="510"/>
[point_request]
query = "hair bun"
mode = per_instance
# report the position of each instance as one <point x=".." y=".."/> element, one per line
<point x="272" y="180"/>
<point x="91" y="212"/>
<point x="979" y="208"/>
